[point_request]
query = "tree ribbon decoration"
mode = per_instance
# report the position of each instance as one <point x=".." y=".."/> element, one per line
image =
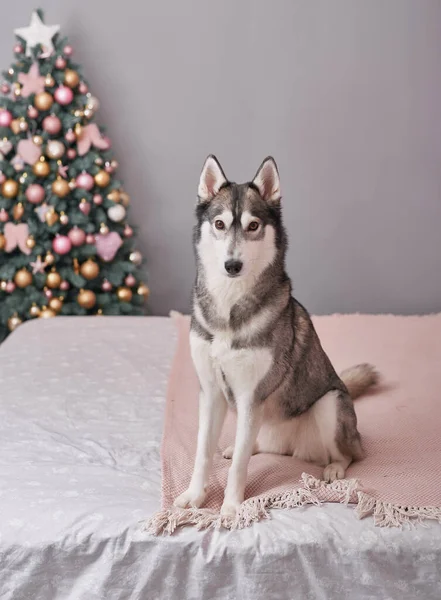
<point x="91" y="135"/>
<point x="16" y="235"/>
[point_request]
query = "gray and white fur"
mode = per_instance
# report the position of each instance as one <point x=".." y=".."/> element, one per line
<point x="254" y="346"/>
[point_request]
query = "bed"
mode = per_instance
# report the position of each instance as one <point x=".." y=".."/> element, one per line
<point x="81" y="410"/>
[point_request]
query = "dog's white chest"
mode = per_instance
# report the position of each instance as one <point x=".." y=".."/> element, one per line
<point x="241" y="369"/>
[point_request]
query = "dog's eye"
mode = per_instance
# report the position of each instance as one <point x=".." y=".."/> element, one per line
<point x="253" y="226"/>
<point x="219" y="224"/>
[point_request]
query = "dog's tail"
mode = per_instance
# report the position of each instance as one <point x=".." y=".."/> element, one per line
<point x="359" y="379"/>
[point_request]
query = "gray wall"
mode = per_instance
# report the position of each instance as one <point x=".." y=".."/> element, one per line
<point x="345" y="94"/>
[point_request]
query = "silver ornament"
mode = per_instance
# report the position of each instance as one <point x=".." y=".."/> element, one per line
<point x="93" y="104"/>
<point x="116" y="213"/>
<point x="55" y="149"/>
<point x="136" y="257"/>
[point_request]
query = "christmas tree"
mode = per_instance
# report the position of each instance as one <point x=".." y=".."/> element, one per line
<point x="65" y="245"/>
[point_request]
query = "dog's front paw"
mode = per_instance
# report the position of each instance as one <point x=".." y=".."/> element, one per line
<point x="230" y="509"/>
<point x="190" y="499"/>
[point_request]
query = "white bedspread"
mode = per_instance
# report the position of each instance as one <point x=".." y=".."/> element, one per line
<point x="81" y="403"/>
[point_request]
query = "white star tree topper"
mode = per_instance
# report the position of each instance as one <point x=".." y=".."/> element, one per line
<point x="37" y="33"/>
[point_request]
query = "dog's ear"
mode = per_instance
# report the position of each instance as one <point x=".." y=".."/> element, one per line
<point x="212" y="179"/>
<point x="267" y="181"/>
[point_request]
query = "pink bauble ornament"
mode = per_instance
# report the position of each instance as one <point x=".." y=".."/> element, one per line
<point x="85" y="208"/>
<point x="35" y="193"/>
<point x="83" y="89"/>
<point x="64" y="285"/>
<point x="32" y="112"/>
<point x="60" y="62"/>
<point x="128" y="231"/>
<point x="18" y="49"/>
<point x="64" y="219"/>
<point x="5" y="118"/>
<point x="5" y="89"/>
<point x="77" y="236"/>
<point x="70" y="136"/>
<point x="71" y="153"/>
<point x="90" y="238"/>
<point x="85" y="181"/>
<point x="52" y="124"/>
<point x="63" y="95"/>
<point x="10" y="287"/>
<point x="97" y="199"/>
<point x="130" y="280"/>
<point x="2" y="177"/>
<point x="48" y="293"/>
<point x="3" y="216"/>
<point x="68" y="50"/>
<point x="106" y="286"/>
<point x="61" y="244"/>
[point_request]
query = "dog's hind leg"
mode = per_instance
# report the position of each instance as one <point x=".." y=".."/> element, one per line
<point x="336" y="422"/>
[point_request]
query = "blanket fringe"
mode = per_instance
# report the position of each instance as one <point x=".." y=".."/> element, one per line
<point x="312" y="491"/>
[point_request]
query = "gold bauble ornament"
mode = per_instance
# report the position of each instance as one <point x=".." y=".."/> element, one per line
<point x="99" y="161"/>
<point x="43" y="101"/>
<point x="55" y="149"/>
<point x="104" y="230"/>
<point x="2" y="241"/>
<point x="71" y="78"/>
<point x="41" y="169"/>
<point x="14" y="322"/>
<point x="86" y="299"/>
<point x="124" y="198"/>
<point x="47" y="313"/>
<point x="30" y="242"/>
<point x="143" y="290"/>
<point x="51" y="217"/>
<point x="60" y="188"/>
<point x="49" y="81"/>
<point x="79" y="113"/>
<point x="88" y="113"/>
<point x="15" y="126"/>
<point x="135" y="257"/>
<point x="56" y="304"/>
<point x="23" y="278"/>
<point x="89" y="269"/>
<point x="23" y="126"/>
<point x="18" y="211"/>
<point x="38" y="140"/>
<point x="3" y="285"/>
<point x="10" y="188"/>
<point x="124" y="294"/>
<point x="78" y="130"/>
<point x="34" y="311"/>
<point x="102" y="178"/>
<point x="114" y="195"/>
<point x="49" y="258"/>
<point x="53" y="280"/>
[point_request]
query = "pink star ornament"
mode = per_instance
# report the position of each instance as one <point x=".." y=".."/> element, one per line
<point x="32" y="82"/>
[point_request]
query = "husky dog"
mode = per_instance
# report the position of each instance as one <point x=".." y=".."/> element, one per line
<point x="254" y="346"/>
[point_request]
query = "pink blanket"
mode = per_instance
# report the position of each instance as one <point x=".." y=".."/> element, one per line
<point x="399" y="481"/>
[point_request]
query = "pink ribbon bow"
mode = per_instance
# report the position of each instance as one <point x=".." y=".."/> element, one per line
<point x="91" y="135"/>
<point x="16" y="235"/>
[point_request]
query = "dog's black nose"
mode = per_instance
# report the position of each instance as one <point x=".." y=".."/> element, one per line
<point x="233" y="267"/>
